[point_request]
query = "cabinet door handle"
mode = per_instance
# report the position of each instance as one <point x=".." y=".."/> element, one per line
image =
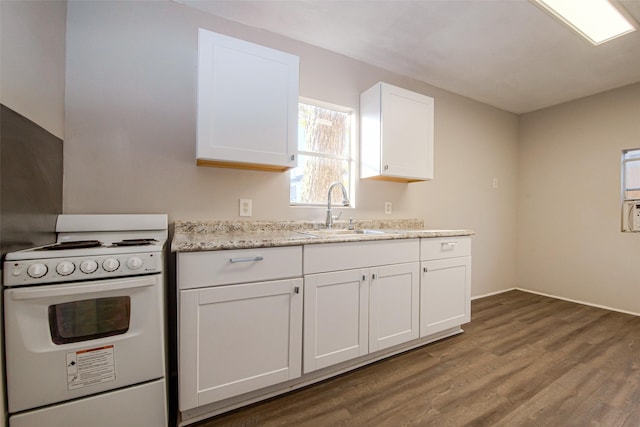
<point x="373" y="276"/>
<point x="425" y="270"/>
<point x="293" y="157"/>
<point x="296" y="290"/>
<point x="364" y="277"/>
<point x="248" y="259"/>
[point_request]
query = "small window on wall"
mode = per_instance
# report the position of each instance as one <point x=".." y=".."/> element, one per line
<point x="631" y="174"/>
<point x="324" y="152"/>
<point x="631" y="190"/>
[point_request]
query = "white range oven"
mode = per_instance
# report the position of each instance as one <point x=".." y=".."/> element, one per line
<point x="84" y="325"/>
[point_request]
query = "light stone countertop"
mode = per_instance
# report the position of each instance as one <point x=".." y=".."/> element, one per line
<point x="190" y="236"/>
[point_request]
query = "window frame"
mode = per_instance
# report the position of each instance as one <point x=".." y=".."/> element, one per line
<point x="627" y="203"/>
<point x="351" y="158"/>
<point x="625" y="162"/>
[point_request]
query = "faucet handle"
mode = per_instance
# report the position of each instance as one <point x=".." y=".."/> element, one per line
<point x="336" y="217"/>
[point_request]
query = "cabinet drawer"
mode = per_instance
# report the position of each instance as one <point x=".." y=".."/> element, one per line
<point x="214" y="268"/>
<point x="445" y="247"/>
<point x="344" y="256"/>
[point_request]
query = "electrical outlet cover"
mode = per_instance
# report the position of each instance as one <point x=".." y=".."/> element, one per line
<point x="245" y="207"/>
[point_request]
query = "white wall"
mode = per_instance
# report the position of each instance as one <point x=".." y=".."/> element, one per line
<point x="131" y="120"/>
<point x="32" y="66"/>
<point x="570" y="244"/>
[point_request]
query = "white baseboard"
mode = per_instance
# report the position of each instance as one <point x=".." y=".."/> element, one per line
<point x="557" y="297"/>
<point x="494" y="293"/>
<point x="579" y="302"/>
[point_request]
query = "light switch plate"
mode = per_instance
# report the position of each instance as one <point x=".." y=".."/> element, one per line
<point x="388" y="208"/>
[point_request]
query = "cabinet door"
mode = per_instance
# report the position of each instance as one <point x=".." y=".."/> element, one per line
<point x="238" y="338"/>
<point x="247" y="104"/>
<point x="396" y="134"/>
<point x="445" y="294"/>
<point x="407" y="133"/>
<point x="393" y="305"/>
<point x="336" y="308"/>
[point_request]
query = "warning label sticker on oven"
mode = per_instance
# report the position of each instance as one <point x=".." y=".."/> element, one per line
<point x="89" y="367"/>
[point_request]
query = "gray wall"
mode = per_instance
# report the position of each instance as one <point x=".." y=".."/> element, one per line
<point x="570" y="243"/>
<point x="131" y="121"/>
<point x="32" y="45"/>
<point x="32" y="96"/>
<point x="30" y="183"/>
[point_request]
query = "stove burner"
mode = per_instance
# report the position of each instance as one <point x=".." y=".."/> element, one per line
<point x="76" y="244"/>
<point x="135" y="242"/>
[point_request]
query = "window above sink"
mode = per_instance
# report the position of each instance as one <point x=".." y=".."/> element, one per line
<point x="325" y="152"/>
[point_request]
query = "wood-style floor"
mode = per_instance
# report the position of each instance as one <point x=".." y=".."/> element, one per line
<point x="524" y="360"/>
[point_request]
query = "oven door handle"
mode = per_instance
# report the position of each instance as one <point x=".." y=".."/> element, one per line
<point x="89" y="288"/>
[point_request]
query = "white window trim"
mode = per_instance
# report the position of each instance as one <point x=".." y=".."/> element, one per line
<point x="627" y="204"/>
<point x="624" y="170"/>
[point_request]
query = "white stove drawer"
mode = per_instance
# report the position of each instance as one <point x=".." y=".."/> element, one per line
<point x="141" y="406"/>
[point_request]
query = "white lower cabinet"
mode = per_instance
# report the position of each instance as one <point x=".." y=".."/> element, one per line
<point x="393" y="305"/>
<point x="236" y="338"/>
<point x="336" y="316"/>
<point x="353" y="312"/>
<point x="241" y="321"/>
<point x="445" y="285"/>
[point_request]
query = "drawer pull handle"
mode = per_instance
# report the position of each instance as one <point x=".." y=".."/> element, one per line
<point x="449" y="243"/>
<point x="248" y="259"/>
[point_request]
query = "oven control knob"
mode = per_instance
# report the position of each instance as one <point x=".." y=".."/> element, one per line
<point x="88" y="266"/>
<point x="65" y="268"/>
<point x="134" y="263"/>
<point x="111" y="264"/>
<point x="37" y="270"/>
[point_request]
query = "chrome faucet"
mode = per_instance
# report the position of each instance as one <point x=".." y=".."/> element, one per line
<point x="345" y="202"/>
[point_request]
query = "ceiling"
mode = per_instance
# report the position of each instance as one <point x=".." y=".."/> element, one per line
<point x="506" y="53"/>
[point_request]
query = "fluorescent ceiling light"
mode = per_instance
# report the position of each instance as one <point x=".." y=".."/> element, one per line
<point x="596" y="20"/>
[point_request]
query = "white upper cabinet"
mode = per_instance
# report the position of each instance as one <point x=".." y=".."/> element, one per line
<point x="396" y="134"/>
<point x="247" y="104"/>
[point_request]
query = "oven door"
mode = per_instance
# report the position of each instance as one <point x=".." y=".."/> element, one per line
<point x="73" y="340"/>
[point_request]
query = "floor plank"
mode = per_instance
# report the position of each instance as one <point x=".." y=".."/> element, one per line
<point x="524" y="360"/>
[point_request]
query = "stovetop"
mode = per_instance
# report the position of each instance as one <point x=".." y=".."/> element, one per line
<point x="86" y="244"/>
<point x="92" y="247"/>
<point x="83" y="249"/>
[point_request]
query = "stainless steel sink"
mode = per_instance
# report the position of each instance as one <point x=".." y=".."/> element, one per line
<point x="342" y="233"/>
<point x="337" y="232"/>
